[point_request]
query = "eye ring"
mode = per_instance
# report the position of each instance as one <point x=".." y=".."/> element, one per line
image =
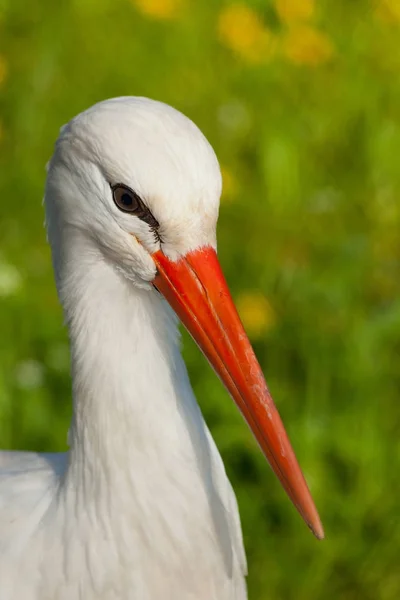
<point x="126" y="199"/>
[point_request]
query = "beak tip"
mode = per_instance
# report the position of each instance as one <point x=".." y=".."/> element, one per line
<point x="317" y="529"/>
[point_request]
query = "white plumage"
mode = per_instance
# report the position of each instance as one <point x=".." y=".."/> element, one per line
<point x="140" y="507"/>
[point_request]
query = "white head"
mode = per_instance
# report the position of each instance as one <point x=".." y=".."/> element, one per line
<point x="151" y="149"/>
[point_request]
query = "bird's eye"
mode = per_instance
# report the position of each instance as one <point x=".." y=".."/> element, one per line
<point x="126" y="199"/>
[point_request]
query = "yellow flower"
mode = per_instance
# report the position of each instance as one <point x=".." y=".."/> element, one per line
<point x="304" y="45"/>
<point x="3" y="69"/>
<point x="256" y="312"/>
<point x="241" y="29"/>
<point x="229" y="184"/>
<point x="295" y="10"/>
<point x="388" y="10"/>
<point x="159" y="9"/>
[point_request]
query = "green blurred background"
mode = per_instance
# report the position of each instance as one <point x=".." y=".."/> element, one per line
<point x="301" y="101"/>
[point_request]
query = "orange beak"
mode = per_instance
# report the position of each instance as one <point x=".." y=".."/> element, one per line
<point x="196" y="289"/>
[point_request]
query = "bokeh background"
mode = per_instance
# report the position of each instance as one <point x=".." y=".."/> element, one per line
<point x="301" y="101"/>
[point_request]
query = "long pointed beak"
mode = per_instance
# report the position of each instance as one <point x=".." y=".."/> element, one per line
<point x="196" y="289"/>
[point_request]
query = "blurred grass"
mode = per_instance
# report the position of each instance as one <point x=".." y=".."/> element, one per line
<point x="301" y="101"/>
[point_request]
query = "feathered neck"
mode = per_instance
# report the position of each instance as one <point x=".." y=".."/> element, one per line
<point x="129" y="380"/>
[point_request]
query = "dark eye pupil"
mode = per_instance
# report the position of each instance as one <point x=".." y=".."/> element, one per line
<point x="126" y="200"/>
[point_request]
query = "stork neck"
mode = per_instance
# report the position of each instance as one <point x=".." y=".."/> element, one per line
<point x="126" y="368"/>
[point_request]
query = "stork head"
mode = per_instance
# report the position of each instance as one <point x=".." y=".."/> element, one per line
<point x="137" y="176"/>
<point x="139" y="179"/>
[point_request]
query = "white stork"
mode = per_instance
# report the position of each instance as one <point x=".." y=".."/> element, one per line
<point x="140" y="507"/>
